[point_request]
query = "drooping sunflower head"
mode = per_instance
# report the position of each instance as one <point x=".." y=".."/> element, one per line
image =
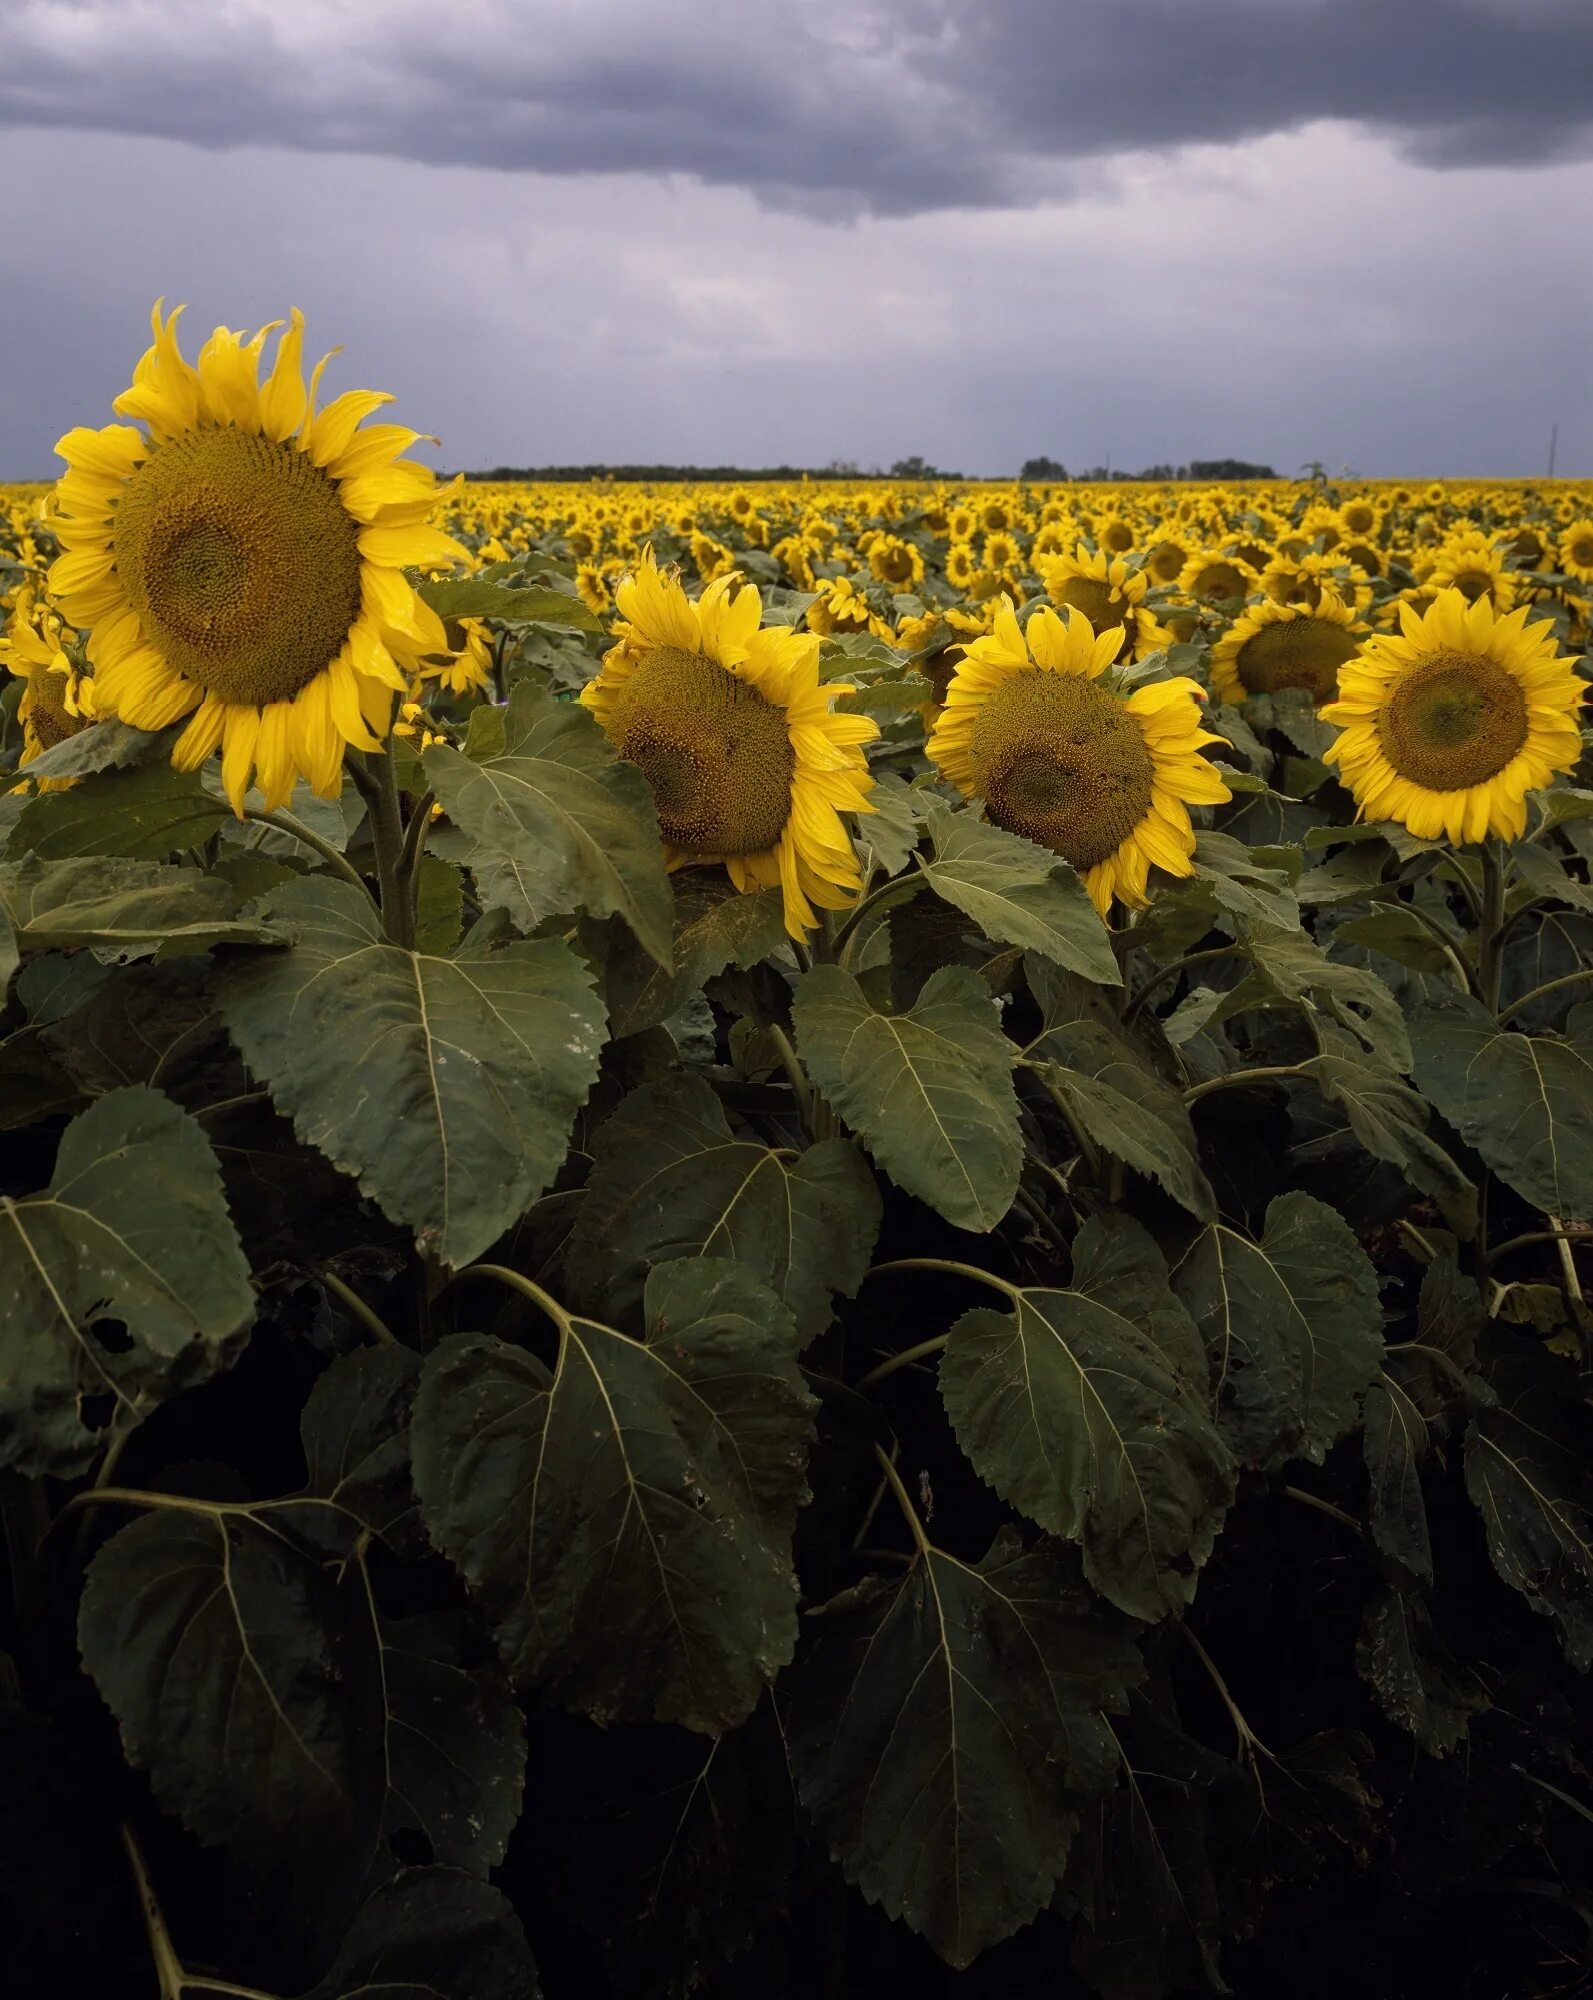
<point x="1449" y="725"/>
<point x="57" y="701"/>
<point x="1109" y="593"/>
<point x="238" y="557"/>
<point x="1034" y="728"/>
<point x="1276" y="646"/>
<point x="748" y="761"/>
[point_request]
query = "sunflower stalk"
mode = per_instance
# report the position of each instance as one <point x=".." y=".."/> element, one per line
<point x="390" y="839"/>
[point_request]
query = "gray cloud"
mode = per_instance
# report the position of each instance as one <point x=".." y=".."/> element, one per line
<point x="894" y="108"/>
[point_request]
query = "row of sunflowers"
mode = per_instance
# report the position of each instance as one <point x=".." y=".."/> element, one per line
<point x="241" y="561"/>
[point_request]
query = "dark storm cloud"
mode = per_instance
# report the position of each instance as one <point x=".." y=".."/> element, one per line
<point x="892" y="108"/>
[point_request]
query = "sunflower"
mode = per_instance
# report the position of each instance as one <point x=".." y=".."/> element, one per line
<point x="893" y="561"/>
<point x="1165" y="563"/>
<point x="1576" y="551"/>
<point x="1276" y="646"/>
<point x="1031" y="728"/>
<point x="1448" y="727"/>
<point x="240" y="560"/>
<point x="1469" y="562"/>
<point x="841" y="607"/>
<point x="1359" y="518"/>
<point x="962" y="565"/>
<point x="1209" y="574"/>
<point x="1109" y="594"/>
<point x="748" y="761"/>
<point x="57" y="700"/>
<point x="1001" y="552"/>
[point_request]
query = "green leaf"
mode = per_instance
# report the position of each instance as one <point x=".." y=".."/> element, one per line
<point x="1074" y="1412"/>
<point x="124" y="907"/>
<point x="1398" y="933"/>
<point x="439" y="906"/>
<point x="945" y="1729"/>
<point x="929" y="1091"/>
<point x="469" y="597"/>
<point x="452" y="1750"/>
<point x="1253" y="883"/>
<point x="10" y="955"/>
<point x="431" y="1934"/>
<point x="1126" y="1108"/>
<point x="1411" y="1673"/>
<point x="120" y="1284"/>
<point x="1288" y="966"/>
<point x="447" y="1086"/>
<point x="147" y="812"/>
<point x="214" y="1642"/>
<point x="1390" y="1120"/>
<point x="1016" y="892"/>
<point x="890" y="832"/>
<point x="355" y="1432"/>
<point x="672" y="1180"/>
<point x="1293" y="1327"/>
<point x="886" y="694"/>
<point x="108" y="746"/>
<point x="626" y="1523"/>
<point x="714" y="926"/>
<point x="1525" y="1102"/>
<point x="1527" y="1473"/>
<point x="1394" y="1443"/>
<point x="559" y="822"/>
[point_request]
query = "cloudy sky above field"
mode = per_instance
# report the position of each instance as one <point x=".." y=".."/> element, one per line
<point x="571" y="230"/>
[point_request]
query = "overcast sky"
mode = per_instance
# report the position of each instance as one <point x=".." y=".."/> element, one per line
<point x="571" y="230"/>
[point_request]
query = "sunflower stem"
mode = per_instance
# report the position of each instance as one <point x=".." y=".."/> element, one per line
<point x="387" y="831"/>
<point x="921" y="1351"/>
<point x="284" y="822"/>
<point x="372" y="1321"/>
<point x="1491" y="953"/>
<point x="1542" y="992"/>
<point x="875" y="904"/>
<point x="1236" y="1078"/>
<point x="169" y="1971"/>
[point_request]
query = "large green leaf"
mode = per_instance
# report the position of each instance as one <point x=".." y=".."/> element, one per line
<point x="1076" y="1406"/>
<point x="1527" y="1461"/>
<point x="1293" y="1327"/>
<point x="672" y="1180"/>
<point x="446" y="1085"/>
<point x="1524" y="1101"/>
<point x="121" y="1282"/>
<point x="715" y="926"/>
<point x="945" y="1728"/>
<point x="108" y="746"/>
<point x="1394" y="1442"/>
<point x="431" y="1934"/>
<point x="355" y="1433"/>
<point x="1016" y="892"/>
<point x="929" y="1091"/>
<point x="559" y="822"/>
<point x="147" y="812"/>
<point x="1119" y="1101"/>
<point x="625" y="1522"/>
<point x="124" y="907"/>
<point x="215" y="1644"/>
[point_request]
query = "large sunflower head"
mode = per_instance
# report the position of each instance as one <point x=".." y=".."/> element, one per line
<point x="239" y="557"/>
<point x="1033" y="727"/>
<point x="1448" y="726"/>
<point x="748" y="760"/>
<point x="1275" y="646"/>
<point x="57" y="700"/>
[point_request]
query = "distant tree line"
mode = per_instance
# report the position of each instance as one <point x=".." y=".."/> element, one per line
<point x="1041" y="471"/>
<point x="1050" y="471"/>
<point x="746" y="475"/>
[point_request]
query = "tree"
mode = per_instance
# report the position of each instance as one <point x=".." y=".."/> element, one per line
<point x="1043" y="471"/>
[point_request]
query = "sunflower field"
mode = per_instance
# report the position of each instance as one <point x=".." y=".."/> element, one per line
<point x="754" y="1238"/>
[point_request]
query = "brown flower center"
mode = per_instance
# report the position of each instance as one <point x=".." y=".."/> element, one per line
<point x="1453" y="721"/>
